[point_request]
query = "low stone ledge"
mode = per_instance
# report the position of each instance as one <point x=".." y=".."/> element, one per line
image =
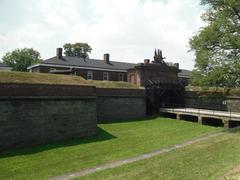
<point x="113" y="92"/>
<point x="20" y="89"/>
<point x="46" y="97"/>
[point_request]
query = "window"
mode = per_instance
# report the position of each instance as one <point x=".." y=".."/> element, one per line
<point x="105" y="76"/>
<point x="89" y="75"/>
<point x="120" y="77"/>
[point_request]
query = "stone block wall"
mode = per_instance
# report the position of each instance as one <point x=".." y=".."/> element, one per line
<point x="205" y="101"/>
<point x="216" y="102"/>
<point x="27" y="119"/>
<point x="233" y="103"/>
<point x="32" y="114"/>
<point x="120" y="104"/>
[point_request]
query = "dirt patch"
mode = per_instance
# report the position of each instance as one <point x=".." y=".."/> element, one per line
<point x="233" y="174"/>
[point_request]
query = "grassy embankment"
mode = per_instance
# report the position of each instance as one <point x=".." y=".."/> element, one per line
<point x="214" y="90"/>
<point x="216" y="158"/>
<point x="114" y="142"/>
<point x="43" y="78"/>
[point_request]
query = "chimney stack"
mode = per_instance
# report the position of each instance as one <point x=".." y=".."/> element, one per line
<point x="176" y="65"/>
<point x="59" y="53"/>
<point x="106" y="58"/>
<point x="146" y="61"/>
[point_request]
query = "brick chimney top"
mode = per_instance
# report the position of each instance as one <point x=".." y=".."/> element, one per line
<point x="59" y="53"/>
<point x="146" y="61"/>
<point x="106" y="58"/>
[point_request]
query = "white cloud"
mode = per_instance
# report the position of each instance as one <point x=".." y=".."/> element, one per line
<point x="128" y="30"/>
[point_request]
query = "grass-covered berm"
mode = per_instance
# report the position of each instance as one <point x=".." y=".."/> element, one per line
<point x="44" y="78"/>
<point x="121" y="140"/>
<point x="214" y="159"/>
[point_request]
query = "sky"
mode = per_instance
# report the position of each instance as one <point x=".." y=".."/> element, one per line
<point x="129" y="30"/>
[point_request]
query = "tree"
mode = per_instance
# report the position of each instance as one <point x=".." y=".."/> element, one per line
<point x="77" y="50"/>
<point x="20" y="59"/>
<point x="217" y="45"/>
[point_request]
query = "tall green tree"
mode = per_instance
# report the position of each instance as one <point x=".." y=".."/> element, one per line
<point x="77" y="50"/>
<point x="20" y="59"/>
<point x="217" y="45"/>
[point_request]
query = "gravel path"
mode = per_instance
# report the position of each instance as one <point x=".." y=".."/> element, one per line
<point x="137" y="158"/>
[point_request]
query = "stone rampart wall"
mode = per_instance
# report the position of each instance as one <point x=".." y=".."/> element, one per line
<point x="120" y="104"/>
<point x="38" y="114"/>
<point x="32" y="114"/>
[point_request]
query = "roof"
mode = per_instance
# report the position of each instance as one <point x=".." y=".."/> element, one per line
<point x="184" y="73"/>
<point x="90" y="63"/>
<point x="95" y="64"/>
<point x="3" y="65"/>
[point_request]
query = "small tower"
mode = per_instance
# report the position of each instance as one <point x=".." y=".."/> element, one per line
<point x="155" y="54"/>
<point x="158" y="57"/>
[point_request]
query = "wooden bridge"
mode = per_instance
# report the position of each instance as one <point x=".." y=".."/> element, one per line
<point x="203" y="116"/>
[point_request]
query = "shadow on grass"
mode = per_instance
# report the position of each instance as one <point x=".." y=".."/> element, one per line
<point x="129" y="120"/>
<point x="234" y="130"/>
<point x="102" y="135"/>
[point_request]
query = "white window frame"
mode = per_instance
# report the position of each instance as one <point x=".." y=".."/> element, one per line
<point x="52" y="69"/>
<point x="89" y="75"/>
<point x="106" y="76"/>
<point x="121" y="77"/>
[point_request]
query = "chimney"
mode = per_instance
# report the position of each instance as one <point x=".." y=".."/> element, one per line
<point x="146" y="61"/>
<point x="106" y="58"/>
<point x="59" y="53"/>
<point x="176" y="65"/>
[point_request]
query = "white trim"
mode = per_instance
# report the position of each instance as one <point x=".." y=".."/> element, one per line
<point x="5" y="68"/>
<point x="89" y="75"/>
<point x="183" y="76"/>
<point x="77" y="67"/>
<point x="32" y="66"/>
<point x="120" y="77"/>
<point x="105" y="76"/>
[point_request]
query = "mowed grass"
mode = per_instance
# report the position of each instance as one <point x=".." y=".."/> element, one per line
<point x="212" y="159"/>
<point x="114" y="142"/>
<point x="44" y="78"/>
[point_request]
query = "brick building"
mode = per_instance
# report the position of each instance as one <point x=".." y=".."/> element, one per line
<point x="157" y="70"/>
<point x="90" y="69"/>
<point x="105" y="69"/>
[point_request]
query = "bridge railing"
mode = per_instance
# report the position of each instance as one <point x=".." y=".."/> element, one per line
<point x="216" y="107"/>
<point x="196" y="109"/>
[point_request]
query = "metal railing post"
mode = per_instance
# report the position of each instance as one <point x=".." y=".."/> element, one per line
<point x="230" y="113"/>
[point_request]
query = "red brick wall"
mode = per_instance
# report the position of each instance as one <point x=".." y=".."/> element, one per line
<point x="97" y="74"/>
<point x="141" y="74"/>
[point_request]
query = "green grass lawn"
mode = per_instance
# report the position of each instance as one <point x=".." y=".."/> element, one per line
<point x="44" y="78"/>
<point x="212" y="159"/>
<point x="114" y="142"/>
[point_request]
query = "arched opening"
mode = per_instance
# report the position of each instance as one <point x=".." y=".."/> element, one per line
<point x="170" y="98"/>
<point x="212" y="122"/>
<point x="133" y="79"/>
